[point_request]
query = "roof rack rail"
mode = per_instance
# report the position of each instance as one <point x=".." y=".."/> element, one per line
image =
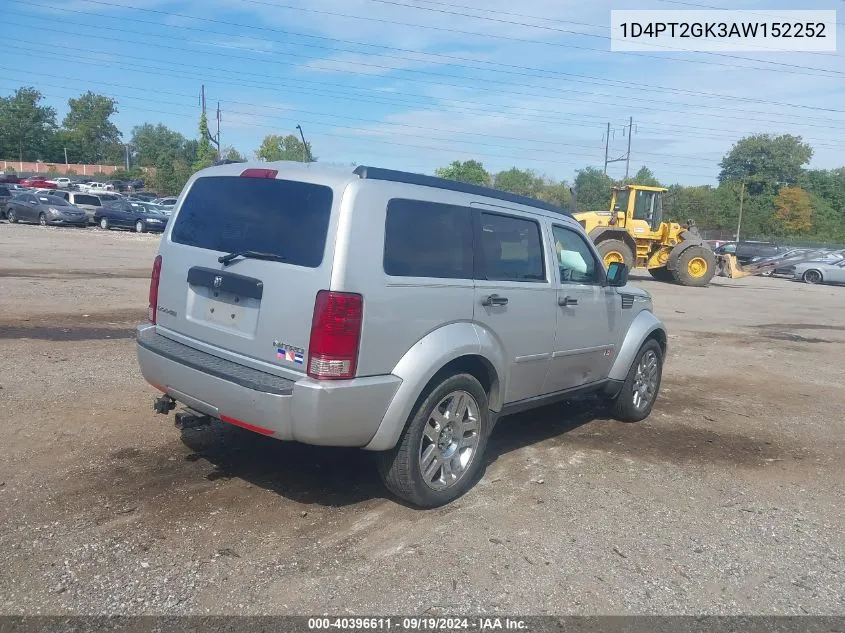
<point x="377" y="173"/>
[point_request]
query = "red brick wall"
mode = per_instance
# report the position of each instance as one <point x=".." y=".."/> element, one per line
<point x="79" y="169"/>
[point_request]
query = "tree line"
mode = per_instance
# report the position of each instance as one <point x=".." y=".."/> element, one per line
<point x="764" y="174"/>
<point x="780" y="197"/>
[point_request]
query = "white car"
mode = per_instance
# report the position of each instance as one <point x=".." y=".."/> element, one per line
<point x="96" y="187"/>
<point x="61" y="183"/>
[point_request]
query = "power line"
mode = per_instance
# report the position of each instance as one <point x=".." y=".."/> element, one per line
<point x="555" y="151"/>
<point x="264" y="86"/>
<point x="708" y="6"/>
<point x="579" y="98"/>
<point x="376" y="138"/>
<point x="574" y="77"/>
<point x="558" y="44"/>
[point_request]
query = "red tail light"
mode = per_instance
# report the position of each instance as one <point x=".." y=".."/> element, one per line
<point x="259" y="173"/>
<point x="154" y="278"/>
<point x="335" y="335"/>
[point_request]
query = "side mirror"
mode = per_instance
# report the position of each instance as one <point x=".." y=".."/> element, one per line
<point x="617" y="274"/>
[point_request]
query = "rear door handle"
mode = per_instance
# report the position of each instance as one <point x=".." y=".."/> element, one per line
<point x="494" y="300"/>
<point x="567" y="301"/>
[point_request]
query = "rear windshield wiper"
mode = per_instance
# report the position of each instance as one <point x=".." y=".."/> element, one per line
<point x="228" y="259"/>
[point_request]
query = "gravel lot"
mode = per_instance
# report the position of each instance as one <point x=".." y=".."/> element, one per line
<point x="727" y="500"/>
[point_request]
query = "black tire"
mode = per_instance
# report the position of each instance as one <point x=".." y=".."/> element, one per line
<point x="140" y="227"/>
<point x="661" y="274"/>
<point x="104" y="224"/>
<point x="616" y="246"/>
<point x="42" y="219"/>
<point x="400" y="468"/>
<point x="682" y="273"/>
<point x="812" y="276"/>
<point x="12" y="216"/>
<point x="624" y="407"/>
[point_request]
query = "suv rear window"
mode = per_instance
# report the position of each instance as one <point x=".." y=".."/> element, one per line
<point x="231" y="214"/>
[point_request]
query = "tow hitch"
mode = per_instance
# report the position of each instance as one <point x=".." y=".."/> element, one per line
<point x="164" y="404"/>
<point x="191" y="420"/>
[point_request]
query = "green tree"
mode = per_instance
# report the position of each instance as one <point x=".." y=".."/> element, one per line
<point x="275" y="147"/>
<point x="520" y="181"/>
<point x="766" y="162"/>
<point x="644" y="177"/>
<point x="230" y="153"/>
<point x="92" y="136"/>
<point x="206" y="152"/>
<point x="793" y="211"/>
<point x="469" y="171"/>
<point x="154" y="143"/>
<point x="26" y="126"/>
<point x="593" y="189"/>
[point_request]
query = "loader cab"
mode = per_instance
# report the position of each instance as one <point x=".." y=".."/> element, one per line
<point x="642" y="206"/>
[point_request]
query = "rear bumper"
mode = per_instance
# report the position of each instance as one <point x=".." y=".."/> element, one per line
<point x="329" y="413"/>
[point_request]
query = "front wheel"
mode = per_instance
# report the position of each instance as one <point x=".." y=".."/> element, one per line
<point x="11" y="216"/>
<point x="696" y="266"/>
<point x="639" y="391"/>
<point x="140" y="227"/>
<point x="440" y="453"/>
<point x="812" y="277"/>
<point x="615" y="251"/>
<point x="104" y="224"/>
<point x="42" y="219"/>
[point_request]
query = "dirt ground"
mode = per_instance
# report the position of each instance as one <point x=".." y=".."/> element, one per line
<point x="727" y="500"/>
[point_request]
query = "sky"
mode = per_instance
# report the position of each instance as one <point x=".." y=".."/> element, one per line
<point x="416" y="84"/>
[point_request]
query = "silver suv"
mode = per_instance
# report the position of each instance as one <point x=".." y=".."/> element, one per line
<point x="390" y="311"/>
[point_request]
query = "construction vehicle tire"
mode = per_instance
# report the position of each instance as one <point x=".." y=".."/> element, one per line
<point x="615" y="251"/>
<point x="661" y="274"/>
<point x="696" y="266"/>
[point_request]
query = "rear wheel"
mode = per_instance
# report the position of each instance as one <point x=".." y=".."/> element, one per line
<point x="140" y="227"/>
<point x="812" y="277"/>
<point x="441" y="450"/>
<point x="42" y="219"/>
<point x="12" y="216"/>
<point x="639" y="391"/>
<point x="696" y="266"/>
<point x="104" y="224"/>
<point x="661" y="274"/>
<point x="615" y="251"/>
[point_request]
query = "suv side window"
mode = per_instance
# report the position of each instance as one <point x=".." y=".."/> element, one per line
<point x="4" y="191"/>
<point x="427" y="239"/>
<point x="512" y="248"/>
<point x="575" y="259"/>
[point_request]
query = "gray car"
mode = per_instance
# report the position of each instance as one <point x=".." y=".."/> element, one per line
<point x="394" y="312"/>
<point x="817" y="272"/>
<point x="43" y="209"/>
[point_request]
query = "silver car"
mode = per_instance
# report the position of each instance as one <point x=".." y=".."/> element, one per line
<point x="43" y="209"/>
<point x="395" y="312"/>
<point x="817" y="272"/>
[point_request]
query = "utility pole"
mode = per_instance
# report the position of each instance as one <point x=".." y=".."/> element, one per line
<point x="305" y="149"/>
<point x="219" y="145"/>
<point x="625" y="157"/>
<point x="126" y="147"/>
<point x="65" y="156"/>
<point x="741" y="196"/>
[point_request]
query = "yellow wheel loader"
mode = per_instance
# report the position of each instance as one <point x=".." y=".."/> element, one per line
<point x="633" y="232"/>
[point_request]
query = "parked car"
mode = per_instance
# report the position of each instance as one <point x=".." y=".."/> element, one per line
<point x="129" y="215"/>
<point x="746" y="251"/>
<point x="816" y="272"/>
<point x="62" y="182"/>
<point x="30" y="207"/>
<point x="146" y="196"/>
<point x="5" y="196"/>
<point x="155" y="208"/>
<point x="387" y="310"/>
<point x="108" y="196"/>
<point x="38" y="182"/>
<point x="96" y="187"/>
<point x="169" y="201"/>
<point x="88" y="202"/>
<point x="9" y="179"/>
<point x="135" y="185"/>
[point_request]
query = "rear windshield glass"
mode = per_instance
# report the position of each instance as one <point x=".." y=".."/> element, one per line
<point x="232" y="214"/>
